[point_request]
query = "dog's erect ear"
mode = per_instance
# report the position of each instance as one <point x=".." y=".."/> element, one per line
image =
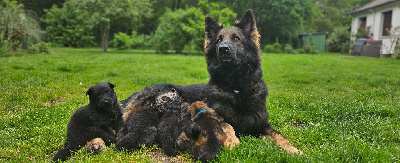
<point x="111" y="85"/>
<point x="211" y="27"/>
<point x="248" y="22"/>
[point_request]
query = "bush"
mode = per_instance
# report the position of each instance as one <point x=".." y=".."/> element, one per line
<point x="18" y="28"/>
<point x="311" y="49"/>
<point x="277" y="47"/>
<point x="301" y="51"/>
<point x="68" y="26"/>
<point x="288" y="49"/>
<point x="39" y="48"/>
<point x="269" y="48"/>
<point x="141" y="41"/>
<point x="339" y="40"/>
<point x="122" y="40"/>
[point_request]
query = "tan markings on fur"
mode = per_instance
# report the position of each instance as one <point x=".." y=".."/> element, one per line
<point x="129" y="110"/>
<point x="183" y="136"/>
<point x="255" y="36"/>
<point x="115" y="132"/>
<point x="195" y="107"/>
<point x="133" y="107"/>
<point x="206" y="43"/>
<point x="231" y="139"/>
<point x="95" y="145"/>
<point x="201" y="140"/>
<point x="281" y="141"/>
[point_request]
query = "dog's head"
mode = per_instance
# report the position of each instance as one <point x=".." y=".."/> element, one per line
<point x="102" y="95"/>
<point x="206" y="133"/>
<point x="236" y="45"/>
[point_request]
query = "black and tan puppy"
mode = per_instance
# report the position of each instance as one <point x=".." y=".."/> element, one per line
<point x="93" y="125"/>
<point x="206" y="133"/>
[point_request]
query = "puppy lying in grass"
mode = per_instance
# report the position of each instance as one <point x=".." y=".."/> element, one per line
<point x="206" y="133"/>
<point x="93" y="125"/>
<point x="158" y="115"/>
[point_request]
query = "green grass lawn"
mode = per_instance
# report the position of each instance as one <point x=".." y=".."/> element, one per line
<point x="334" y="108"/>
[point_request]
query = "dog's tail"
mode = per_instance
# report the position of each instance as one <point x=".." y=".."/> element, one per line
<point x="280" y="140"/>
<point x="65" y="152"/>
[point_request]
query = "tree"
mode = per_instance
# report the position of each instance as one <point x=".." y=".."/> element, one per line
<point x="80" y="17"/>
<point x="39" y="6"/>
<point x="281" y="19"/>
<point x="69" y="26"/>
<point x="106" y="12"/>
<point x="180" y="27"/>
<point x="169" y="34"/>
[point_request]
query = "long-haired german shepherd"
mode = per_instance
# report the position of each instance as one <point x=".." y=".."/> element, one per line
<point x="236" y="89"/>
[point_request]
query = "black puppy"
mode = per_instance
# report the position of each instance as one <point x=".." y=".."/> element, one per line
<point x="100" y="119"/>
<point x="142" y="113"/>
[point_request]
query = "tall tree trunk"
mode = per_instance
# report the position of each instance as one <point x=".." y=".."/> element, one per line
<point x="104" y="32"/>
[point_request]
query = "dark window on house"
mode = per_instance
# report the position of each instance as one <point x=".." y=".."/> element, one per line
<point x="387" y="23"/>
<point x="363" y="22"/>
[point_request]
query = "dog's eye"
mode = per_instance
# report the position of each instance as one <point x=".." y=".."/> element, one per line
<point x="173" y="90"/>
<point x="218" y="41"/>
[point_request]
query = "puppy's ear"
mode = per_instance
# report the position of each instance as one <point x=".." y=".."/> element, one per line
<point x="111" y="85"/>
<point x="89" y="91"/>
<point x="196" y="130"/>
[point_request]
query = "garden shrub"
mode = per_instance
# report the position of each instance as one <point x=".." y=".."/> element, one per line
<point x="277" y="47"/>
<point x="288" y="49"/>
<point x="68" y="26"/>
<point x="301" y="51"/>
<point x="339" y="40"/>
<point x="39" y="48"/>
<point x="269" y="48"/>
<point x="18" y="28"/>
<point x="311" y="49"/>
<point x="122" y="41"/>
<point x="141" y="41"/>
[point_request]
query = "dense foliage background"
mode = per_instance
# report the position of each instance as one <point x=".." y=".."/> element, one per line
<point x="168" y="24"/>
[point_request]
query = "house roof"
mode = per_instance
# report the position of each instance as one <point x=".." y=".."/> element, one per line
<point x="372" y="5"/>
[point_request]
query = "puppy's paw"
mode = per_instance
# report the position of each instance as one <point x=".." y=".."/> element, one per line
<point x="95" y="145"/>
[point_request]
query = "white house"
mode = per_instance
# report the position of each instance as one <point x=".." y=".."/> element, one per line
<point x="380" y="18"/>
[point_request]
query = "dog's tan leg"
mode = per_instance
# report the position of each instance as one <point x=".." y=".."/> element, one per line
<point x="280" y="140"/>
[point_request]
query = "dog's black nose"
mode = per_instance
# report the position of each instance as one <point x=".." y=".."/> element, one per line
<point x="223" y="48"/>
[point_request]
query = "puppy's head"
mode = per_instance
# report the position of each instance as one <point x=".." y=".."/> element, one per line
<point x="102" y="95"/>
<point x="206" y="133"/>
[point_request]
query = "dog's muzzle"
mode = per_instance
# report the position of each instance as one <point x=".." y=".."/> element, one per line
<point x="224" y="53"/>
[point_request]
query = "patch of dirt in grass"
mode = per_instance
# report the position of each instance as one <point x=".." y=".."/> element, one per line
<point x="56" y="101"/>
<point x="157" y="155"/>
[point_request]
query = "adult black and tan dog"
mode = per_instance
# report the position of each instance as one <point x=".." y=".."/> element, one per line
<point x="236" y="89"/>
<point x="95" y="124"/>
